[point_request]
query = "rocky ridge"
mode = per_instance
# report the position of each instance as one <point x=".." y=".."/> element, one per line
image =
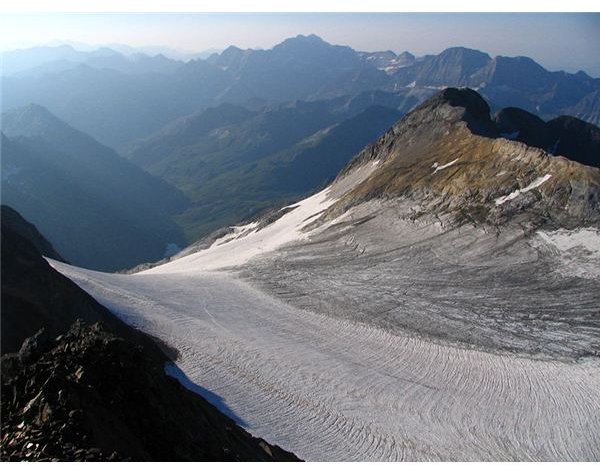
<point x="449" y="156"/>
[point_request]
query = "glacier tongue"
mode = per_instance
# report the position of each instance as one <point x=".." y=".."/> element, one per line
<point x="330" y="389"/>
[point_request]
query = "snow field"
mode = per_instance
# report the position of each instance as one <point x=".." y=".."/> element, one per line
<point x="246" y="241"/>
<point x="330" y="389"/>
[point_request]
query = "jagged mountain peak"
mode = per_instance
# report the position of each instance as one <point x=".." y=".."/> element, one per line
<point x="230" y="51"/>
<point x="452" y="67"/>
<point x="32" y="110"/>
<point x="466" y="98"/>
<point x="450" y="107"/>
<point x="521" y="60"/>
<point x="311" y="43"/>
<point x="37" y="122"/>
<point x="304" y="39"/>
<point x="583" y="74"/>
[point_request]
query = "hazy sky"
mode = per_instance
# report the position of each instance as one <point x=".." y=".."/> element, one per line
<point x="557" y="41"/>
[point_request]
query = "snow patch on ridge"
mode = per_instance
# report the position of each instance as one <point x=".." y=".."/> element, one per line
<point x="534" y="184"/>
<point x="238" y="231"/>
<point x="245" y="242"/>
<point x="441" y="167"/>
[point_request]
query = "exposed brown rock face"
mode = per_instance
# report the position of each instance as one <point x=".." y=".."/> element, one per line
<point x="447" y="155"/>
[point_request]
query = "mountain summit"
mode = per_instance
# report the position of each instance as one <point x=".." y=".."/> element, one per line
<point x="449" y="156"/>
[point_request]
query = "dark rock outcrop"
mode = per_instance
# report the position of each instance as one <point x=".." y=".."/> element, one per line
<point x="567" y="136"/>
<point x="520" y="125"/>
<point x="35" y="296"/>
<point x="89" y="395"/>
<point x="576" y="139"/>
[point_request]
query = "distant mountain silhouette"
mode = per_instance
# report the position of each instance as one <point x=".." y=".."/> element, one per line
<point x="118" y="99"/>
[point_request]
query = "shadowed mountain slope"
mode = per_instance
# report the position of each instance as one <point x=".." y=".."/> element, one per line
<point x="233" y="163"/>
<point x="565" y="135"/>
<point x="97" y="208"/>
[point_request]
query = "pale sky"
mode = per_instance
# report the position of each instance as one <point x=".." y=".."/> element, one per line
<point x="566" y="41"/>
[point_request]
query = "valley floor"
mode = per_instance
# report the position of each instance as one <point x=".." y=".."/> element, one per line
<point x="328" y="388"/>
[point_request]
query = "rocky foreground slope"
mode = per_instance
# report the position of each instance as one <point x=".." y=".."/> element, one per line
<point x="92" y="396"/>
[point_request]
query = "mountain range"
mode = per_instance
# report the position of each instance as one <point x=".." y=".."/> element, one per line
<point x="47" y="59"/>
<point x="118" y="99"/>
<point x="209" y="170"/>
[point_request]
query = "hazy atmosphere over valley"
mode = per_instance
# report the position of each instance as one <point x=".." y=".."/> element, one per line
<point x="300" y="236"/>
